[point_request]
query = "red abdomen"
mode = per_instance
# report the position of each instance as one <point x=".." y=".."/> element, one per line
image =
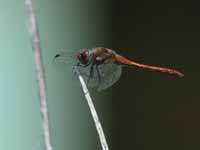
<point x="124" y="61"/>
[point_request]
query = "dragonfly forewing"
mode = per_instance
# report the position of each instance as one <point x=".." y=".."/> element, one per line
<point x="101" y="77"/>
<point x="65" y="58"/>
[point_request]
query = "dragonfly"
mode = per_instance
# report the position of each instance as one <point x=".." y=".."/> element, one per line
<point x="102" y="67"/>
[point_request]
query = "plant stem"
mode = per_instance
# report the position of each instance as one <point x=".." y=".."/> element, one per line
<point x="35" y="40"/>
<point x="97" y="122"/>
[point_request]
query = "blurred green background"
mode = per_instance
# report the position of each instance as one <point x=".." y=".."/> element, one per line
<point x="143" y="110"/>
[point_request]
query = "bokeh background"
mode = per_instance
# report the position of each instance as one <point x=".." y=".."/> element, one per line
<point x="144" y="110"/>
<point x="154" y="111"/>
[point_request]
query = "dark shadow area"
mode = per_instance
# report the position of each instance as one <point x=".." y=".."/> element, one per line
<point x="153" y="111"/>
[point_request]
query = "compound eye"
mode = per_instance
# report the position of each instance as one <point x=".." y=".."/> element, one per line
<point x="83" y="57"/>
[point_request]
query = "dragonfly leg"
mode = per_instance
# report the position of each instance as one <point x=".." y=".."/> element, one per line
<point x="91" y="74"/>
<point x="77" y="66"/>
<point x="98" y="74"/>
<point x="74" y="72"/>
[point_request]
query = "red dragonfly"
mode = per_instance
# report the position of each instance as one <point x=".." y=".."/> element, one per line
<point x="102" y="67"/>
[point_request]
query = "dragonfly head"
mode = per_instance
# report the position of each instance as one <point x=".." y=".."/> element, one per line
<point x="83" y="56"/>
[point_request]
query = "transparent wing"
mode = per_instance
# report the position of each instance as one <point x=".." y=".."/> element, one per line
<point x="108" y="74"/>
<point x="62" y="58"/>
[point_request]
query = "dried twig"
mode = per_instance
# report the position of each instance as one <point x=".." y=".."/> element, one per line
<point x="99" y="128"/>
<point x="35" y="40"/>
